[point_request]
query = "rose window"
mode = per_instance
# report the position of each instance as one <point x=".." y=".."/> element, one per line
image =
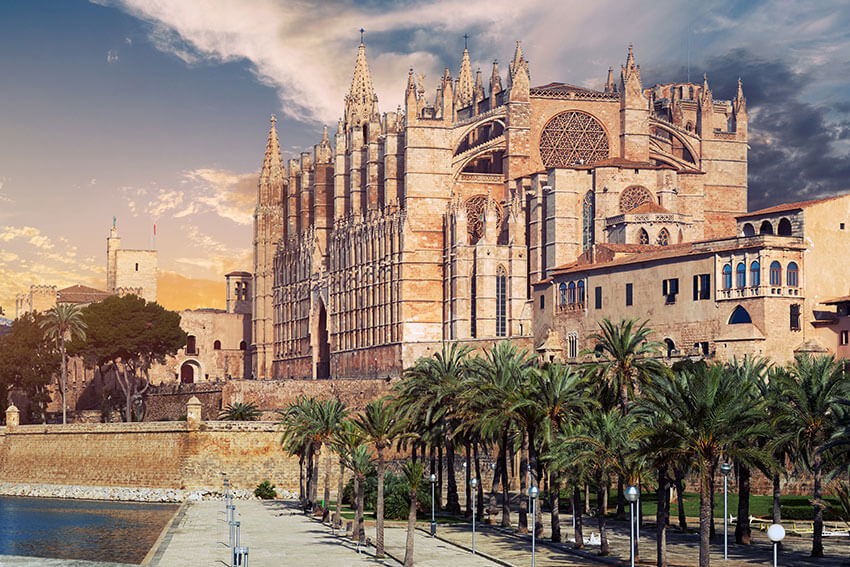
<point x="633" y="197"/>
<point x="572" y="138"/>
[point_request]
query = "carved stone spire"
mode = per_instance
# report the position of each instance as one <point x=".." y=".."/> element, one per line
<point x="610" y="86"/>
<point x="272" y="171"/>
<point x="519" y="64"/>
<point x="465" y="84"/>
<point x="495" y="80"/>
<point x="740" y="103"/>
<point x="360" y="103"/>
<point x="630" y="71"/>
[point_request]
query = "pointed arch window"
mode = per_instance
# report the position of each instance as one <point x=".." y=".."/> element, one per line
<point x="755" y="274"/>
<point x="580" y="292"/>
<point x="739" y="316"/>
<point x="473" y="304"/>
<point x="741" y="275"/>
<point x="663" y="238"/>
<point x="643" y="237"/>
<point x="588" y="213"/>
<point x="727" y="276"/>
<point x="501" y="302"/>
<point x="572" y="293"/>
<point x="792" y="275"/>
<point x="562" y="295"/>
<point x="775" y="273"/>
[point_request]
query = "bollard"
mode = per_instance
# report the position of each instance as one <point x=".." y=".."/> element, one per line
<point x="241" y="557"/>
<point x="232" y="533"/>
<point x="235" y="559"/>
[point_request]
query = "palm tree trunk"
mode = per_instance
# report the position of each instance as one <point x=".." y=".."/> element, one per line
<point x="452" y="502"/>
<point x="340" y="488"/>
<point x="64" y="375"/>
<point x="602" y="505"/>
<point x="711" y="488"/>
<point x="492" y="505"/>
<point x="555" y="505"/>
<point x="506" y="493"/>
<point x="379" y="512"/>
<point x="661" y="517"/>
<point x="680" y="498"/>
<point x="587" y="496"/>
<point x="742" y="526"/>
<point x="578" y="510"/>
<point x="411" y="528"/>
<point x="535" y="480"/>
<point x="314" y="480"/>
<point x="705" y="516"/>
<point x="360" y="531"/>
<point x="777" y="494"/>
<point x="523" y="494"/>
<point x="621" y="499"/>
<point x="439" y="496"/>
<point x="301" y="493"/>
<point x="326" y="499"/>
<point x="467" y="478"/>
<point x="817" y="526"/>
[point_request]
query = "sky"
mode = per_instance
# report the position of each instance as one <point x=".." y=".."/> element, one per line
<point x="156" y="111"/>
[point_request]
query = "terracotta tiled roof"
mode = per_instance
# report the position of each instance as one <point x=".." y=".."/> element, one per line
<point x="837" y="300"/>
<point x="788" y="207"/>
<point x="238" y="274"/>
<point x="80" y="294"/>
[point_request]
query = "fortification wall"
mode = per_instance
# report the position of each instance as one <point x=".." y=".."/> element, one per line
<point x="270" y="395"/>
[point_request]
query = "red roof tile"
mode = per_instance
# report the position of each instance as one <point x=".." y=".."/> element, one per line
<point x="80" y="294"/>
<point x="788" y="207"/>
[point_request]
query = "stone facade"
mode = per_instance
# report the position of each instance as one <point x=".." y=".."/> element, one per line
<point x="430" y="224"/>
<point x="773" y="290"/>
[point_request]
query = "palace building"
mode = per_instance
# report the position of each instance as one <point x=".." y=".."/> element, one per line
<point x="406" y="229"/>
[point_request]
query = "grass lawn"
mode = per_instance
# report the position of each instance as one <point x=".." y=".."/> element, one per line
<point x="760" y="505"/>
<point x="348" y="513"/>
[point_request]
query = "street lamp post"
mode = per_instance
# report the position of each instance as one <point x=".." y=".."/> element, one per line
<point x="474" y="484"/>
<point x="632" y="494"/>
<point x="725" y="468"/>
<point x="532" y="497"/>
<point x="776" y="533"/>
<point x="433" y="479"/>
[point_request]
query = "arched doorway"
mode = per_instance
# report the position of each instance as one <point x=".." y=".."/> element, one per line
<point x="323" y="352"/>
<point x="189" y="371"/>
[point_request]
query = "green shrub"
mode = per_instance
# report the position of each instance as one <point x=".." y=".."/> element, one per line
<point x="396" y="495"/>
<point x="806" y="513"/>
<point x="265" y="490"/>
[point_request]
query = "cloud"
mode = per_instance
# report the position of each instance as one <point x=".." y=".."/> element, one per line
<point x="31" y="234"/>
<point x="229" y="195"/>
<point x="112" y="56"/>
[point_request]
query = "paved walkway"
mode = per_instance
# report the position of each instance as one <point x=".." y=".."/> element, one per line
<point x="276" y="533"/>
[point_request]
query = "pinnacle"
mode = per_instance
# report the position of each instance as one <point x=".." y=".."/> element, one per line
<point x="272" y="162"/>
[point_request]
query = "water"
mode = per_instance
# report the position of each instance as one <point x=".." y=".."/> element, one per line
<point x="121" y="532"/>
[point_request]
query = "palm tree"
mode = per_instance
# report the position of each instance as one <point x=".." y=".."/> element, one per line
<point x="750" y="373"/>
<point x="552" y="396"/>
<point x="570" y="460"/>
<point x="345" y="440"/>
<point x="359" y="461"/>
<point x="624" y="361"/>
<point x="63" y="323"/>
<point x="299" y="431"/>
<point x="492" y="390"/>
<point x="239" y="411"/>
<point x="430" y="393"/>
<point x="328" y="419"/>
<point x="412" y="471"/>
<point x="812" y="390"/>
<point x="703" y="415"/>
<point x="381" y="426"/>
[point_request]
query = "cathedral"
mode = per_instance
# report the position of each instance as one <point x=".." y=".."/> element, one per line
<point x="404" y="230"/>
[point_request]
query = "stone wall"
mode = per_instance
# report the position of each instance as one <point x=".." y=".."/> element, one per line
<point x="168" y="402"/>
<point x="270" y="395"/>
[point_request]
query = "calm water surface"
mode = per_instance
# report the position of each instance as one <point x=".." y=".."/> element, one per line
<point x="121" y="532"/>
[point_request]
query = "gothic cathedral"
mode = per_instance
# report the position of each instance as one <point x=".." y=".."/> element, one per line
<point x="414" y="228"/>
